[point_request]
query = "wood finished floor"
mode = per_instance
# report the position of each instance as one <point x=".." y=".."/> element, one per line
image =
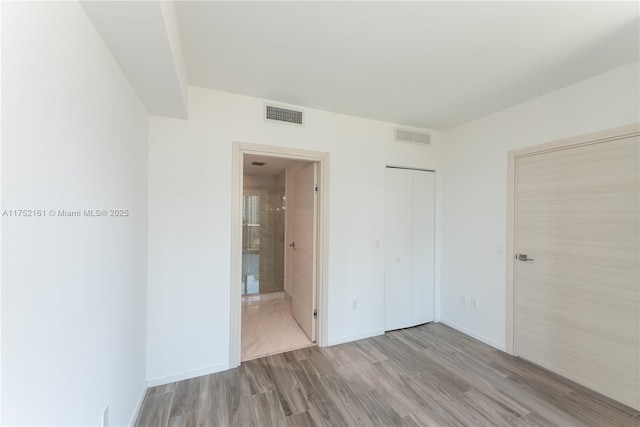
<point x="430" y="375"/>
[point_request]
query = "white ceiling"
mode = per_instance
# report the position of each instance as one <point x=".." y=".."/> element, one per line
<point x="144" y="39"/>
<point x="427" y="64"/>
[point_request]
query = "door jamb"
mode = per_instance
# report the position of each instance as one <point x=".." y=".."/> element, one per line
<point x="322" y="158"/>
<point x="512" y="170"/>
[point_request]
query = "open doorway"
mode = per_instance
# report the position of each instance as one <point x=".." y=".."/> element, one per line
<point x="278" y="258"/>
<point x="263" y="224"/>
<point x="278" y="205"/>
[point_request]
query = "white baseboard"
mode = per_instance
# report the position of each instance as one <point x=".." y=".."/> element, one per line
<point x="136" y="410"/>
<point x="466" y="331"/>
<point x="355" y="337"/>
<point x="187" y="375"/>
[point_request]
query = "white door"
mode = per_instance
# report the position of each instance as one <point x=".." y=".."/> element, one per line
<point x="398" y="254"/>
<point x="409" y="248"/>
<point x="577" y="278"/>
<point x="304" y="217"/>
<point x="423" y="248"/>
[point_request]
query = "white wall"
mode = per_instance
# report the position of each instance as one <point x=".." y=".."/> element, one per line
<point x="190" y="217"/>
<point x="0" y="219"/>
<point x="74" y="136"/>
<point x="475" y="198"/>
<point x="170" y="18"/>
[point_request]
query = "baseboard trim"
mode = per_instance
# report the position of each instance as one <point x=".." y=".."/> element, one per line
<point x="356" y="337"/>
<point x="188" y="375"/>
<point x="479" y="337"/>
<point x="136" y="411"/>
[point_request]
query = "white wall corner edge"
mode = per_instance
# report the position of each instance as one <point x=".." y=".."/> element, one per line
<point x="357" y="337"/>
<point x="168" y="11"/>
<point x="479" y="337"/>
<point x="187" y="375"/>
<point x="138" y="407"/>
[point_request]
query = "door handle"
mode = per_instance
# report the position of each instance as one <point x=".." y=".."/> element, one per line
<point x="523" y="257"/>
<point x="293" y="245"/>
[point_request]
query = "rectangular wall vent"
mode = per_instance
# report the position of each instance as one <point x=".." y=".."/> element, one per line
<point x="273" y="113"/>
<point x="403" y="135"/>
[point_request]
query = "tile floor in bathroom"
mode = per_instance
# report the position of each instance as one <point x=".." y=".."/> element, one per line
<point x="268" y="326"/>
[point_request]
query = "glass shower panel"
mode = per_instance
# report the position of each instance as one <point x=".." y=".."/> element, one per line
<point x="263" y="240"/>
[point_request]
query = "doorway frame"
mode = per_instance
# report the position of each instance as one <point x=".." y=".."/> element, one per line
<point x="239" y="149"/>
<point x="512" y="199"/>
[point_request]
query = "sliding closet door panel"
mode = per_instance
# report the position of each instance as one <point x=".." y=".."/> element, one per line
<point x="409" y="248"/>
<point x="577" y="299"/>
<point x="398" y="221"/>
<point x="423" y="237"/>
<point x="423" y="256"/>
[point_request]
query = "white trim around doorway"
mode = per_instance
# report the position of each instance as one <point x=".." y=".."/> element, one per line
<point x="238" y="151"/>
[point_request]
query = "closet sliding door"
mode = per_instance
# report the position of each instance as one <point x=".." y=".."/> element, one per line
<point x="423" y="247"/>
<point x="398" y="248"/>
<point x="409" y="248"/>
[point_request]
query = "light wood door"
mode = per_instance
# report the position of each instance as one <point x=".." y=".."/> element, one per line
<point x="409" y="248"/>
<point x="577" y="302"/>
<point x="304" y="218"/>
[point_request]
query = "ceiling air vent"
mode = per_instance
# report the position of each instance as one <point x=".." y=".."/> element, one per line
<point x="410" y="136"/>
<point x="273" y="113"/>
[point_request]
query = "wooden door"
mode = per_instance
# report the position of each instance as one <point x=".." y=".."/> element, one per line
<point x="577" y="285"/>
<point x="304" y="218"/>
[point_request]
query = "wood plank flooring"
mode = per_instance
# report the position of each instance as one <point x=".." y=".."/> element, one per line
<point x="430" y="375"/>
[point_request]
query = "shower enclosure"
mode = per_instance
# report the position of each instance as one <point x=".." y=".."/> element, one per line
<point x="263" y="216"/>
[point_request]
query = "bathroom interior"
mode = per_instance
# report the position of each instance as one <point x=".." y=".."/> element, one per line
<point x="263" y="218"/>
<point x="268" y="326"/>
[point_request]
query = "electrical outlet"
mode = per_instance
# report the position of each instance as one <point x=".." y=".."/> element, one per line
<point x="473" y="303"/>
<point x="499" y="249"/>
<point x="377" y="243"/>
<point x="354" y="304"/>
<point x="462" y="299"/>
<point x="105" y="417"/>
